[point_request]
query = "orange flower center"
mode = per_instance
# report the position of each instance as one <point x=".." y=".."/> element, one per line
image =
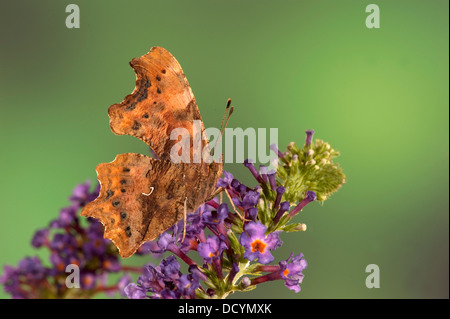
<point x="75" y="262"/>
<point x="60" y="266"/>
<point x="286" y="272"/>
<point x="193" y="243"/>
<point x="258" y="245"/>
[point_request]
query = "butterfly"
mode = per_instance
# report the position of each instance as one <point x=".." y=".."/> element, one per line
<point x="141" y="197"/>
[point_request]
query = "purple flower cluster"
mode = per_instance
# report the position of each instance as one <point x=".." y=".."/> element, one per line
<point x="165" y="281"/>
<point x="228" y="241"/>
<point x="70" y="242"/>
<point x="19" y="282"/>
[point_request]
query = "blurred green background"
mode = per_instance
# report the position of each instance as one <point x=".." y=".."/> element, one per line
<point x="379" y="96"/>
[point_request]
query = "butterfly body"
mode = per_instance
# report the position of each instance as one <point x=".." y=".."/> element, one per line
<point x="140" y="196"/>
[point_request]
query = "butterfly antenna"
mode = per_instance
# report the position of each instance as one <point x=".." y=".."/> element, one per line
<point x="225" y="113"/>
<point x="228" y="110"/>
<point x="223" y="129"/>
<point x="226" y="123"/>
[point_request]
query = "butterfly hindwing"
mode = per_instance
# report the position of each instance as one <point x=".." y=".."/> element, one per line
<point x="141" y="197"/>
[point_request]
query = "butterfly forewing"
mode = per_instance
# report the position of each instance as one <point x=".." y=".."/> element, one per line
<point x="161" y="102"/>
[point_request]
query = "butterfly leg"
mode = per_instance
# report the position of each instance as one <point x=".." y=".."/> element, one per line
<point x="234" y="207"/>
<point x="215" y="193"/>
<point x="185" y="220"/>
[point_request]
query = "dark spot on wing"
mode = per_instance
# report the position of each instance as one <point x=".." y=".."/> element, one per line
<point x="128" y="231"/>
<point x="136" y="125"/>
<point x="147" y="83"/>
<point x="131" y="107"/>
<point x="142" y="96"/>
<point x="109" y="193"/>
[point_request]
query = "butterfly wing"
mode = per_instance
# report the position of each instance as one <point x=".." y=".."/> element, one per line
<point x="141" y="197"/>
<point x="161" y="101"/>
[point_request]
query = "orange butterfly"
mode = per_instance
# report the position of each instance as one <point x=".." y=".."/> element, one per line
<point x="140" y="196"/>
